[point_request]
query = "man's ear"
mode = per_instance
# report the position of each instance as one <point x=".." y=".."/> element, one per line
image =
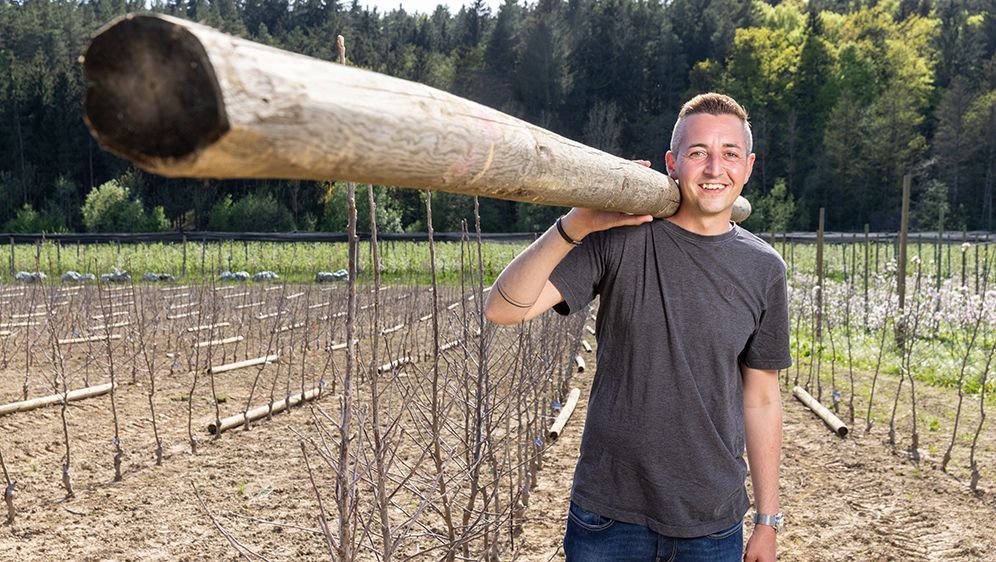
<point x="750" y="167"/>
<point x="671" y="164"/>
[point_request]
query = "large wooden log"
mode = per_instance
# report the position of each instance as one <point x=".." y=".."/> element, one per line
<point x="243" y="419"/>
<point x="184" y="100"/>
<point x="565" y="414"/>
<point x="35" y="403"/>
<point x="266" y="359"/>
<point x="828" y="417"/>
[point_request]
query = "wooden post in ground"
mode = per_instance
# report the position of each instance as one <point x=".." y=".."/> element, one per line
<point x="184" y="100"/>
<point x="904" y="223"/>
<point x="819" y="273"/>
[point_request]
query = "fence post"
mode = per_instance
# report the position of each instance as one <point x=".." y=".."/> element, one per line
<point x="819" y="275"/>
<point x="867" y="257"/>
<point x="904" y="223"/>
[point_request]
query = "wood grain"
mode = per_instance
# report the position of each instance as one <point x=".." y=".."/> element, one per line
<point x="181" y="99"/>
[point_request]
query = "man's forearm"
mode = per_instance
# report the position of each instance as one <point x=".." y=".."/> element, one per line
<point x="763" y="428"/>
<point x="516" y="294"/>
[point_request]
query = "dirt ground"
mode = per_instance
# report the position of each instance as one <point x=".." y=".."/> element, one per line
<point x="844" y="499"/>
<point x="849" y="499"/>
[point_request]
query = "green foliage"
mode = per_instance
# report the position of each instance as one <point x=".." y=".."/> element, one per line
<point x="251" y="213"/>
<point x="29" y="220"/>
<point x="110" y="208"/>
<point x="335" y="217"/>
<point x="774" y="212"/>
<point x="844" y="98"/>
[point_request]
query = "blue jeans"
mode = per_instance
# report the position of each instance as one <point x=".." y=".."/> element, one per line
<point x="593" y="538"/>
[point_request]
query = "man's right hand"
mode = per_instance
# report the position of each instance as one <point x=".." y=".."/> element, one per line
<point x="581" y="222"/>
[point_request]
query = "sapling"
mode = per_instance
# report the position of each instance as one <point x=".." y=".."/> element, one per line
<point x="8" y="493"/>
<point x="982" y="417"/>
<point x="976" y="324"/>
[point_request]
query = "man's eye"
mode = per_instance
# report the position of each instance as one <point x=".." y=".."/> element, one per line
<point x="733" y="155"/>
<point x="697" y="154"/>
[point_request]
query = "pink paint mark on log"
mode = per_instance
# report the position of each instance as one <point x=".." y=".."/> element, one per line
<point x="489" y="132"/>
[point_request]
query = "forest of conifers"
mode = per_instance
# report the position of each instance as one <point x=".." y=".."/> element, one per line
<point x="845" y="98"/>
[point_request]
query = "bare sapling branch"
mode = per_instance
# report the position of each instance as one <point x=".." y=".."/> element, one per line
<point x="976" y="324"/>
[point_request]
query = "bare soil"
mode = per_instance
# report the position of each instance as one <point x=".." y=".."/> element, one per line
<point x="844" y="499"/>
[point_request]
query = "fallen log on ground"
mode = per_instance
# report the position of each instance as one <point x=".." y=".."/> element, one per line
<point x="243" y="364"/>
<point x="820" y="410"/>
<point x="565" y="414"/>
<point x="184" y="100"/>
<point x="208" y="327"/>
<point x="87" y="339"/>
<point x="220" y="426"/>
<point x="222" y="341"/>
<point x="579" y="361"/>
<point x="396" y="364"/>
<point x="35" y="403"/>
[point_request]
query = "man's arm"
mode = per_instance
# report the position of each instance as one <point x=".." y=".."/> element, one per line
<point x="763" y="427"/>
<point x="523" y="290"/>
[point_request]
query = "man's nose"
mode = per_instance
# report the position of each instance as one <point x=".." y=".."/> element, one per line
<point x="713" y="165"/>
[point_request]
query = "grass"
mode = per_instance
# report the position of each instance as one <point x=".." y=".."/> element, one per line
<point x="402" y="262"/>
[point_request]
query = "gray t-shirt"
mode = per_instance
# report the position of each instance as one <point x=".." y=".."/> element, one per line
<point x="664" y="439"/>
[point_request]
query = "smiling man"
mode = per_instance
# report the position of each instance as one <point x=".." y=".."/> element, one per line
<point x="692" y="327"/>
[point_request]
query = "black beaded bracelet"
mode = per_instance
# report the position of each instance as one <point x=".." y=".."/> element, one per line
<point x="563" y="234"/>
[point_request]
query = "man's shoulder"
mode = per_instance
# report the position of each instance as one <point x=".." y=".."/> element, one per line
<point x="758" y="252"/>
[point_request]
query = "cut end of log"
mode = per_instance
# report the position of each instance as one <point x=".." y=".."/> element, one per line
<point x="151" y="92"/>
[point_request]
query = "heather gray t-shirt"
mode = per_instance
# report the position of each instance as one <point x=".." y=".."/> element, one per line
<point x="664" y="439"/>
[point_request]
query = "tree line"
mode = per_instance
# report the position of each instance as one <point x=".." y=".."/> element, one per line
<point x="845" y="97"/>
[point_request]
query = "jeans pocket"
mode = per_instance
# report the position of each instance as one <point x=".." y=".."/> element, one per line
<point x="588" y="520"/>
<point x="727" y="533"/>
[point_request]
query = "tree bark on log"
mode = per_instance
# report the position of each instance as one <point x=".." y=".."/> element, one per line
<point x="184" y="100"/>
<point x="35" y="403"/>
<point x="835" y="423"/>
<point x="565" y="414"/>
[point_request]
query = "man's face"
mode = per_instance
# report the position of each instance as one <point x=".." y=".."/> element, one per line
<point x="711" y="166"/>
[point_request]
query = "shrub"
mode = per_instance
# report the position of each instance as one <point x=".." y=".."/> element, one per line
<point x="252" y="213"/>
<point x="29" y="220"/>
<point x="110" y="208"/>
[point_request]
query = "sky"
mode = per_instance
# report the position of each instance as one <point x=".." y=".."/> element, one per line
<point x="423" y="6"/>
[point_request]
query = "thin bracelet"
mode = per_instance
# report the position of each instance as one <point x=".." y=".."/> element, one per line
<point x="563" y="234"/>
<point x="509" y="300"/>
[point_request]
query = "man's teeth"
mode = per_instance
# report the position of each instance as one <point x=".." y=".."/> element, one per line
<point x="712" y="186"/>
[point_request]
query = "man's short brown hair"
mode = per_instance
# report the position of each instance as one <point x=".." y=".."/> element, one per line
<point x="713" y="104"/>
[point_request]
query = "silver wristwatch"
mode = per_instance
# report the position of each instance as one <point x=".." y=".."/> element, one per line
<point x="776" y="521"/>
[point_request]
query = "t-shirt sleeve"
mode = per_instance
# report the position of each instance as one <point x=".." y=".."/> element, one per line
<point x="577" y="276"/>
<point x="768" y="347"/>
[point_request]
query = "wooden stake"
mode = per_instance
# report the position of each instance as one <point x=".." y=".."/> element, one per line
<point x="35" y="403"/>
<point x="565" y="414"/>
<point x="904" y="222"/>
<point x="579" y="361"/>
<point x="222" y="341"/>
<point x="261" y="412"/>
<point x="243" y="364"/>
<point x="838" y="427"/>
<point x="86" y="339"/>
<point x="184" y="100"/>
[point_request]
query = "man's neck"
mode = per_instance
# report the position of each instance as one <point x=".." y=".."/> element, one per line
<point x="705" y="226"/>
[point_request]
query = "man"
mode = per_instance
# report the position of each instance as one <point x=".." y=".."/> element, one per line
<point x="692" y="328"/>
